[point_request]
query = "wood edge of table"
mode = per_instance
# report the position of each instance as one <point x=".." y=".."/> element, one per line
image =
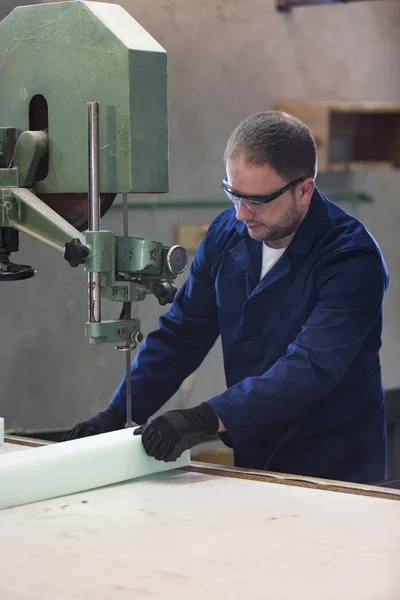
<point x="19" y="440"/>
<point x="295" y="480"/>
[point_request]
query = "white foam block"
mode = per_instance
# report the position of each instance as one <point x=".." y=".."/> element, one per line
<point x="1" y="431"/>
<point x="76" y="466"/>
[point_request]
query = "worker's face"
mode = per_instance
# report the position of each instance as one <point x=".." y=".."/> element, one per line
<point x="278" y="220"/>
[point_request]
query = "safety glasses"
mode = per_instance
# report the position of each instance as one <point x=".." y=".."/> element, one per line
<point x="259" y="200"/>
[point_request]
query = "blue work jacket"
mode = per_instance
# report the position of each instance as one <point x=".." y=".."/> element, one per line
<point x="301" y="347"/>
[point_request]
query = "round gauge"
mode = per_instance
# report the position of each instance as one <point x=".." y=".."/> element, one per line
<point x="177" y="259"/>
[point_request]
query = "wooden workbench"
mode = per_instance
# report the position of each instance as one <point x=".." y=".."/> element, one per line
<point x="205" y="533"/>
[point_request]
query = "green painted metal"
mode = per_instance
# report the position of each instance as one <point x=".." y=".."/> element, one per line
<point x="8" y="177"/>
<point x="139" y="256"/>
<point x="111" y="331"/>
<point x="122" y="291"/>
<point x="76" y="52"/>
<point x="31" y="147"/>
<point x="102" y="251"/>
<point x="142" y="261"/>
<point x="27" y="152"/>
<point x="54" y="59"/>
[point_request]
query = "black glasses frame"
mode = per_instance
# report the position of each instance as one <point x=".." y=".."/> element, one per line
<point x="259" y="199"/>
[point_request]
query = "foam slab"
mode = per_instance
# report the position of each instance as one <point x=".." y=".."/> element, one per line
<point x="76" y="466"/>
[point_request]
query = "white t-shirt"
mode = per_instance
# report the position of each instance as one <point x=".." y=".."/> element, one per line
<point x="269" y="257"/>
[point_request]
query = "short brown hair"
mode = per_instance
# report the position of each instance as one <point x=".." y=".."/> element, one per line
<point x="277" y="139"/>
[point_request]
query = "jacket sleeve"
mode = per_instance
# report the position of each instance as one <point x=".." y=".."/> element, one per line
<point x="349" y="302"/>
<point x="185" y="335"/>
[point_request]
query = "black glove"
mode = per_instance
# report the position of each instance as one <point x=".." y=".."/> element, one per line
<point x="107" y="420"/>
<point x="169" y="435"/>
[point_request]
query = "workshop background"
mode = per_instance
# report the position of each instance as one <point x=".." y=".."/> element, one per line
<point x="227" y="59"/>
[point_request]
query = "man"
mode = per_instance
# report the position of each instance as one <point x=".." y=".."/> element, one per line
<point x="294" y="286"/>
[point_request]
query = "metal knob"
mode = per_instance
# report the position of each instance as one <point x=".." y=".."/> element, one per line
<point x="137" y="337"/>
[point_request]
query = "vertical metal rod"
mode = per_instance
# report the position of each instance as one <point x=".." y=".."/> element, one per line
<point x="128" y="388"/>
<point x="94" y="204"/>
<point x="128" y="358"/>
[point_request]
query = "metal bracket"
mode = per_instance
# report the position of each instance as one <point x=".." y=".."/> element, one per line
<point x="123" y="330"/>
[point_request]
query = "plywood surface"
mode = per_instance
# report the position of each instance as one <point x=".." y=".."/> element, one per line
<point x="187" y="535"/>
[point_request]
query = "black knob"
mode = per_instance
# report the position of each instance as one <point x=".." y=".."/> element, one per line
<point x="8" y="240"/>
<point x="165" y="292"/>
<point x="12" y="272"/>
<point x="75" y="252"/>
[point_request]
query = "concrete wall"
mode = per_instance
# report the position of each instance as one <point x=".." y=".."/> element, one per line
<point x="227" y="59"/>
<point x="7" y="6"/>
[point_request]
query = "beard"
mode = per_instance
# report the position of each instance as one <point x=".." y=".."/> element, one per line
<point x="261" y="230"/>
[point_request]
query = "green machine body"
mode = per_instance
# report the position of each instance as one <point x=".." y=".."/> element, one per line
<point x="84" y="117"/>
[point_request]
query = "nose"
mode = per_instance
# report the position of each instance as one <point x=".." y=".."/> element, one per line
<point x="242" y="212"/>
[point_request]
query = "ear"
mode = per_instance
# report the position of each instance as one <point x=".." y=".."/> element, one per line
<point x="306" y="189"/>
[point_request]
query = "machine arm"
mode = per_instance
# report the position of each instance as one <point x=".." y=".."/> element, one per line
<point x="120" y="269"/>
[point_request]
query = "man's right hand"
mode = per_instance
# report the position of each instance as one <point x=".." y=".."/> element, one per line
<point x="107" y="420"/>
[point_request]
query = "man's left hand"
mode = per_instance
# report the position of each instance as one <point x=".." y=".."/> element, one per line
<point x="169" y="435"/>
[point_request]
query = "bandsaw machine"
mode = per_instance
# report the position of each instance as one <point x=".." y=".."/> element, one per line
<point x="83" y="117"/>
